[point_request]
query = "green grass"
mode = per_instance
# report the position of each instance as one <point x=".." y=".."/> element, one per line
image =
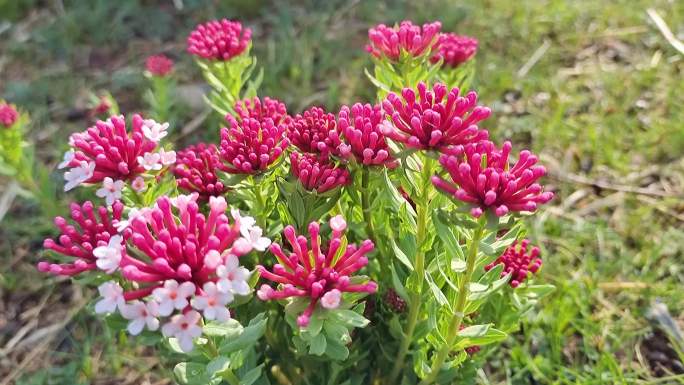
<point x="603" y="102"/>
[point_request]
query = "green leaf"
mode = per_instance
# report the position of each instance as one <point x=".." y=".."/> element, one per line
<point x="349" y="318"/>
<point x="396" y="282"/>
<point x="479" y="335"/>
<point x="228" y="329"/>
<point x="449" y="240"/>
<point x="249" y="336"/>
<point x="401" y="256"/>
<point x="458" y="265"/>
<point x="252" y="376"/>
<point x="318" y="345"/>
<point x="193" y="373"/>
<point x="336" y="351"/>
<point x="536" y="291"/>
<point x="437" y="292"/>
<point x="336" y="333"/>
<point x="218" y="365"/>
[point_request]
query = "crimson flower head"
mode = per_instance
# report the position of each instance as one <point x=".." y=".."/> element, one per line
<point x="317" y="175"/>
<point x="316" y="273"/>
<point x="314" y="131"/>
<point x="390" y="42"/>
<point x="250" y="145"/>
<point x="518" y="261"/>
<point x="90" y="228"/>
<point x="258" y="109"/>
<point x="219" y="40"/>
<point x="8" y="115"/>
<point x="482" y="176"/>
<point x="454" y="49"/>
<point x="159" y="65"/>
<point x="196" y="168"/>
<point x="438" y="119"/>
<point x="363" y="138"/>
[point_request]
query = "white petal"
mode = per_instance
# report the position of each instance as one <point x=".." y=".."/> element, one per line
<point x="136" y="326"/>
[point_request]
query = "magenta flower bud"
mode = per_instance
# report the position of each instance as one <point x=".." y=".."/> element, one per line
<point x="315" y="175"/>
<point x="258" y="109"/>
<point x="314" y="131"/>
<point x="196" y="170"/>
<point x="390" y="42"/>
<point x="92" y="227"/>
<point x="300" y="278"/>
<point x="219" y="40"/>
<point x="518" y="261"/>
<point x="8" y="115"/>
<point x="439" y="120"/>
<point x="362" y="129"/>
<point x="159" y="65"/>
<point x="454" y="49"/>
<point x="249" y="146"/>
<point x="481" y="176"/>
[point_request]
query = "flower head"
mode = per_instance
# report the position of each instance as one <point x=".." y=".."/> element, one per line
<point x="250" y="145"/>
<point x="92" y="228"/>
<point x="390" y="42"/>
<point x="454" y="49"/>
<point x="219" y="40"/>
<point x="258" y="109"/>
<point x="110" y="190"/>
<point x="482" y="176"/>
<point x="518" y="261"/>
<point x="438" y="119"/>
<point x="159" y="65"/>
<point x="318" y="273"/>
<point x="196" y="170"/>
<point x="315" y="175"/>
<point x="314" y="131"/>
<point x="8" y="115"/>
<point x="113" y="151"/>
<point x="363" y="138"/>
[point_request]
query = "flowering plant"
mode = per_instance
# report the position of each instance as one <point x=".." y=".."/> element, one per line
<point x="384" y="243"/>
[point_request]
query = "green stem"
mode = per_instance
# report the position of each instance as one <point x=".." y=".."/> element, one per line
<point x="461" y="299"/>
<point x="259" y="203"/>
<point x="368" y="219"/>
<point x="229" y="376"/>
<point x="418" y="274"/>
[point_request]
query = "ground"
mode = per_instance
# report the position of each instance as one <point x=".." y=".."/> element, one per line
<point x="592" y="86"/>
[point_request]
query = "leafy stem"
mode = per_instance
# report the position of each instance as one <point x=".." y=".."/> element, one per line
<point x="368" y="219"/>
<point x="259" y="203"/>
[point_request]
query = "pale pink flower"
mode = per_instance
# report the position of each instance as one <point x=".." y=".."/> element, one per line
<point x="212" y="303"/>
<point x="109" y="256"/>
<point x="184" y="328"/>
<point x="141" y="314"/>
<point x="110" y="190"/>
<point x="79" y="174"/>
<point x="154" y="131"/>
<point x="233" y="277"/>
<point x="173" y="296"/>
<point x="138" y="184"/>
<point x="331" y="299"/>
<point x="112" y="297"/>
<point x="150" y="161"/>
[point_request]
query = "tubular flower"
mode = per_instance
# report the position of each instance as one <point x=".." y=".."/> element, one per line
<point x="454" y="49"/>
<point x="363" y="138"/>
<point x="317" y="175"/>
<point x="249" y="146"/>
<point x="482" y="176"/>
<point x="390" y="42"/>
<point x="159" y="65"/>
<point x="115" y="152"/>
<point x="316" y="274"/>
<point x="260" y="110"/>
<point x="8" y="115"/>
<point x="314" y="131"/>
<point x="196" y="168"/>
<point x="518" y="261"/>
<point x="439" y="119"/>
<point x="90" y="234"/>
<point x="219" y="40"/>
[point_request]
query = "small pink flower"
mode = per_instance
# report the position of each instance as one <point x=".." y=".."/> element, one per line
<point x="138" y="185"/>
<point x="159" y="65"/>
<point x="313" y="273"/>
<point x="154" y="131"/>
<point x="150" y="161"/>
<point x="109" y="255"/>
<point x="390" y="42"/>
<point x="315" y="175"/>
<point x="219" y="40"/>
<point x="81" y="172"/>
<point x="438" y="119"/>
<point x="167" y="158"/>
<point x="454" y="49"/>
<point x="338" y="224"/>
<point x="213" y="303"/>
<point x="173" y="296"/>
<point x="110" y="190"/>
<point x="184" y="328"/>
<point x="90" y="228"/>
<point x="518" y="261"/>
<point x="480" y="175"/>
<point x="111" y="298"/>
<point x="141" y="314"/>
<point x="314" y="132"/>
<point x="249" y="146"/>
<point x="363" y="138"/>
<point x="196" y="170"/>
<point x="8" y="115"/>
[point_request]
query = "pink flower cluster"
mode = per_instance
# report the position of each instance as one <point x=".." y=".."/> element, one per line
<point x="249" y="146"/>
<point x="261" y="110"/>
<point x="314" y="131"/>
<point x="8" y="115"/>
<point x="363" y="137"/>
<point x="454" y="49"/>
<point x="219" y="40"/>
<point x="390" y="42"/>
<point x="518" y="261"/>
<point x="316" y="273"/>
<point x="439" y="119"/>
<point x="92" y="227"/>
<point x="159" y="65"/>
<point x="196" y="169"/>
<point x="480" y="175"/>
<point x="316" y="175"/>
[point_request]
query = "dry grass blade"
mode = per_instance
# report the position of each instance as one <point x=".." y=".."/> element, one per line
<point x="665" y="30"/>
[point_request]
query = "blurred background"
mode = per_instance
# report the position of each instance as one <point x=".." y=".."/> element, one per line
<point x="595" y="87"/>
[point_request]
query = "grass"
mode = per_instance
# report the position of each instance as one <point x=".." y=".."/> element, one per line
<point x="602" y="105"/>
